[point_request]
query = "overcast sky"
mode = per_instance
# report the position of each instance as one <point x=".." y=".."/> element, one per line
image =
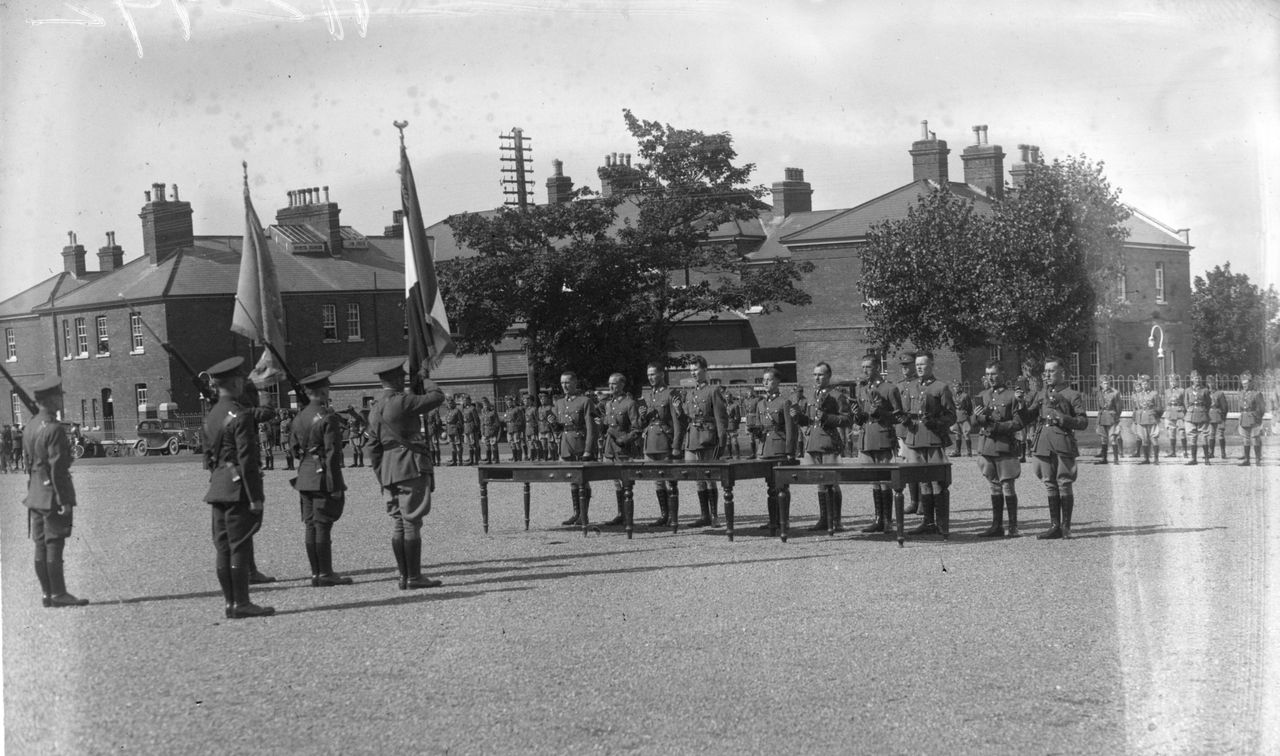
<point x="1180" y="99"/>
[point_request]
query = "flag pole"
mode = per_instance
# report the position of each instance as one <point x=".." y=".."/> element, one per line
<point x="425" y="368"/>
<point x="293" y="380"/>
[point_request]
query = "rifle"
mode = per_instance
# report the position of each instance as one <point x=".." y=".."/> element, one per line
<point x="202" y="385"/>
<point x="27" y="401"/>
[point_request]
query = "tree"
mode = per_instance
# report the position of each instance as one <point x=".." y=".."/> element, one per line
<point x="1231" y="319"/>
<point x="590" y="291"/>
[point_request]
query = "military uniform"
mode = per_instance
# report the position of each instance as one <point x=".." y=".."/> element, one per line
<point x="1056" y="413"/>
<point x="1029" y="385"/>
<point x="997" y="416"/>
<point x="962" y="428"/>
<point x="906" y="362"/>
<point x="1175" y="413"/>
<point x="660" y="413"/>
<point x="575" y="420"/>
<point x="701" y="432"/>
<point x="755" y="430"/>
<point x="471" y="431"/>
<point x="490" y="429"/>
<point x="1217" y="420"/>
<point x="513" y="419"/>
<point x="316" y="438"/>
<point x="879" y="408"/>
<point x="533" y="428"/>
<point x="778" y="432"/>
<point x="286" y="427"/>
<point x="51" y="496"/>
<point x="620" y="417"/>
<point x="435" y="427"/>
<point x="1253" y="407"/>
<point x="453" y="426"/>
<point x="1199" y="399"/>
<point x="1147" y="408"/>
<point x="549" y="429"/>
<point x="931" y="410"/>
<point x="825" y="415"/>
<point x="401" y="464"/>
<point x="1109" y="423"/>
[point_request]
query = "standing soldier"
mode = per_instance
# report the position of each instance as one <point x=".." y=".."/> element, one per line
<point x="453" y="425"/>
<point x="907" y="380"/>
<point x="1252" y="408"/>
<point x="471" y="429"/>
<point x="1108" y="420"/>
<point x="931" y="410"/>
<point x="549" y="428"/>
<point x="964" y="410"/>
<point x="435" y="427"/>
<point x="778" y="438"/>
<point x="286" y="427"/>
<point x="317" y="438"/>
<point x="1027" y="386"/>
<point x="235" y="492"/>
<point x="6" y="448"/>
<point x="357" y="433"/>
<point x="532" y="448"/>
<point x="1057" y="412"/>
<point x="801" y="406"/>
<point x="51" y="495"/>
<point x="827" y="414"/>
<point x="1199" y="399"/>
<point x="490" y="429"/>
<point x="1147" y="409"/>
<point x="755" y="430"/>
<point x="997" y="416"/>
<point x="733" y="411"/>
<point x="513" y="418"/>
<point x="879" y="408"/>
<point x="574" y="415"/>
<point x="1217" y="418"/>
<point x="621" y="415"/>
<point x="401" y="464"/>
<point x="266" y="442"/>
<point x="702" y="432"/>
<point x="661" y="408"/>
<point x="1175" y="412"/>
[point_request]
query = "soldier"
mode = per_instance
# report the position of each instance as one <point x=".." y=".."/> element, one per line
<point x="471" y="429"/>
<point x="265" y="442"/>
<point x="435" y="429"/>
<point x="1175" y="412"/>
<point x="357" y="433"/>
<point x="879" y="409"/>
<point x="490" y="429"/>
<point x="1252" y="408"/>
<point x="575" y="419"/>
<point x="801" y="405"/>
<point x="827" y="414"/>
<point x="6" y="448"/>
<point x="1057" y="412"/>
<point x="51" y="495"/>
<point x="733" y="411"/>
<point x="964" y="410"/>
<point x="1108" y="420"/>
<point x="401" y="465"/>
<point x="621" y="415"/>
<point x="548" y="427"/>
<point x="1027" y="386"/>
<point x="660" y="416"/>
<point x="907" y="367"/>
<point x="778" y="438"/>
<point x="513" y="419"/>
<point x="316" y="438"/>
<point x="1198" y="400"/>
<point x="755" y="429"/>
<point x="702" y="432"/>
<point x="532" y="448"/>
<point x="1147" y="408"/>
<point x="453" y="426"/>
<point x="997" y="416"/>
<point x="1217" y="419"/>
<point x="931" y="409"/>
<point x="235" y="492"/>
<point x="286" y="427"/>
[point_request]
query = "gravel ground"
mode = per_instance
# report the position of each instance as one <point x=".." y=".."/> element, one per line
<point x="1152" y="631"/>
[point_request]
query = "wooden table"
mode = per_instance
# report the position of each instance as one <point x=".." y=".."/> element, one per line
<point x="545" y="472"/>
<point x="726" y="472"/>
<point x="896" y="475"/>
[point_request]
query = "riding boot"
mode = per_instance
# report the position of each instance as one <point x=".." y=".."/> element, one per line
<point x="1194" y="453"/>
<point x="1055" y="517"/>
<point x="42" y="574"/>
<point x="664" y="512"/>
<point x="58" y="596"/>
<point x="1068" y="506"/>
<point x="324" y="553"/>
<point x="823" y="505"/>
<point x="1184" y="447"/>
<point x="1257" y="451"/>
<point x="886" y="501"/>
<point x="314" y="561"/>
<point x="876" y="526"/>
<point x="413" y="561"/>
<point x="942" y="512"/>
<point x="928" y="525"/>
<point x="1102" y="455"/>
<point x="955" y="452"/>
<point x="402" y="566"/>
<point x="620" y="519"/>
<point x="968" y="446"/>
<point x="1222" y="448"/>
<point x="1155" y="453"/>
<point x="1208" y="451"/>
<point x="713" y="504"/>
<point x="704" y="503"/>
<point x="835" y="508"/>
<point x="1245" y="449"/>
<point x="576" y="493"/>
<point x="1173" y="446"/>
<point x="914" y="506"/>
<point x="1117" y="449"/>
<point x="241" y="606"/>
<point x="228" y="593"/>
<point x="1011" y="504"/>
<point x="997" y="518"/>
<point x="584" y="518"/>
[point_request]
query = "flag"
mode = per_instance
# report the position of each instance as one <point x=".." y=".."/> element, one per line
<point x="429" y="337"/>
<point x="259" y="311"/>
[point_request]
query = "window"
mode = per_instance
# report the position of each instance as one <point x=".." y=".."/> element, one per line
<point x="140" y="392"/>
<point x="1159" y="283"/>
<point x="135" y="332"/>
<point x="1094" y="358"/>
<point x="1123" y="294"/>
<point x="10" y="345"/>
<point x="82" y="338"/>
<point x="104" y="344"/>
<point x="329" y="319"/>
<point x="66" y="339"/>
<point x="353" y="322"/>
<point x="15" y="407"/>
<point x="84" y="407"/>
<point x="993" y="352"/>
<point x="1073" y="362"/>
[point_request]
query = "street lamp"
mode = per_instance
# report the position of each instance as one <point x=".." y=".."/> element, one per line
<point x="1151" y="342"/>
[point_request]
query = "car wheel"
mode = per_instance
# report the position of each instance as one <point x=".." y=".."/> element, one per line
<point x="140" y="448"/>
<point x="172" y="447"/>
<point x="77" y="451"/>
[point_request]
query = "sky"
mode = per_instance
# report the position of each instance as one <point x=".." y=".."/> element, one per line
<point x="99" y="100"/>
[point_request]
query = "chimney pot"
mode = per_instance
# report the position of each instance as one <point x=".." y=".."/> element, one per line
<point x="557" y="167"/>
<point x="147" y="195"/>
<point x="160" y="192"/>
<point x="977" y="135"/>
<point x="326" y="195"/>
<point x="315" y="194"/>
<point x="924" y="129"/>
<point x="111" y="238"/>
<point x="175" y="192"/>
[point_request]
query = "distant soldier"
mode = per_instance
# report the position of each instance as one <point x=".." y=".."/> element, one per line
<point x="702" y="433"/>
<point x="490" y="429"/>
<point x="1252" y="408"/>
<point x="621" y="416"/>
<point x="801" y="405"/>
<point x="1056" y="413"/>
<point x="997" y="414"/>
<point x="1109" y="420"/>
<point x="878" y="410"/>
<point x="266" y="442"/>
<point x="1027" y="386"/>
<point x="471" y="429"/>
<point x="286" y="426"/>
<point x="778" y="437"/>
<point x="453" y="426"/>
<point x="51" y="494"/>
<point x="964" y="410"/>
<point x="357" y="433"/>
<point x="931" y="410"/>
<point x="827" y="414"/>
<point x="6" y="448"/>
<point x="733" y="411"/>
<point x="1217" y="419"/>
<point x="513" y="419"/>
<point x="401" y="465"/>
<point x="1199" y="399"/>
<point x="316" y="437"/>
<point x="751" y="416"/>
<point x="660" y="415"/>
<point x="1147" y="409"/>
<point x="549" y="428"/>
<point x="1175" y="413"/>
<point x="532" y="448"/>
<point x="435" y="429"/>
<point x="575" y="419"/>
<point x="907" y="379"/>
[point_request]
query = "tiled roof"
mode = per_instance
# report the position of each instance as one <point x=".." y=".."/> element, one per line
<point x="1145" y="230"/>
<point x="854" y="223"/>
<point x="24" y="302"/>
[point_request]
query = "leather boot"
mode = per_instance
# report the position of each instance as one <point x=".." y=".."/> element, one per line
<point x="576" y="493"/>
<point x="956" y="451"/>
<point x="968" y="446"/>
<point x="1068" y="506"/>
<point x="1222" y="447"/>
<point x="878" y="501"/>
<point x="1184" y="447"/>
<point x="1257" y="452"/>
<point x="1155" y="453"/>
<point x="1245" y="461"/>
<point x="1117" y="449"/>
<point x="1011" y="505"/>
<point x="771" y="504"/>
<point x="886" y="500"/>
<point x="1208" y="452"/>
<point x="928" y="525"/>
<point x="228" y="593"/>
<point x="1173" y="446"/>
<point x="997" y="518"/>
<point x="942" y="512"/>
<point x="327" y="577"/>
<point x="413" y="561"/>
<point x="835" y="508"/>
<point x="1055" y="517"/>
<point x="914" y="506"/>
<point x="242" y="607"/>
<point x="664" y="513"/>
<point x="704" y="503"/>
<point x="1102" y="457"/>
<point x="823" y="504"/>
<point x="402" y="566"/>
<point x="713" y="501"/>
<point x="58" y="596"/>
<point x="620" y="519"/>
<point x="42" y="574"/>
<point x="1194" y="454"/>
<point x="584" y="518"/>
<point x="314" y="561"/>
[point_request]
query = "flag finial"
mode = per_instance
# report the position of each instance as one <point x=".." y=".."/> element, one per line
<point x="244" y="164"/>
<point x="400" y="125"/>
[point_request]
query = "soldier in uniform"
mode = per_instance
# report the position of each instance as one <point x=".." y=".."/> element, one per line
<point x="827" y="414"/>
<point x="621" y="416"/>
<point x="548" y="428"/>
<point x="1026" y="387"/>
<point x="401" y="464"/>
<point x="490" y="429"/>
<point x="733" y="411"/>
<point x="265" y="442"/>
<point x="778" y="438"/>
<point x="575" y="419"/>
<point x="755" y="429"/>
<point x="6" y="448"/>
<point x="1217" y="418"/>
<point x="453" y="426"/>
<point x="997" y="414"/>
<point x="964" y="410"/>
<point x="660" y="416"/>
<point x="931" y="410"/>
<point x="801" y="406"/>
<point x="1175" y="413"/>
<point x="513" y="419"/>
<point x="879" y="409"/>
<point x="51" y="495"/>
<point x="1252" y="408"/>
<point x="286" y="427"/>
<point x="1147" y="408"/>
<point x="435" y="427"/>
<point x="702" y="432"/>
<point x="357" y="433"/>
<point x="1108" y="420"/>
<point x="1057" y="412"/>
<point x="1198" y="400"/>
<point x="235" y="492"/>
<point x="316" y="439"/>
<point x="906" y="382"/>
<point x="532" y="448"/>
<point x="471" y="429"/>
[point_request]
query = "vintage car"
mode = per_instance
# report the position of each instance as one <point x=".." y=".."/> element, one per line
<point x="165" y="437"/>
<point x="84" y="445"/>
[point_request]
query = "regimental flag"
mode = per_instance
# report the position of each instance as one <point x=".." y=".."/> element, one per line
<point x="259" y="311"/>
<point x="429" y="338"/>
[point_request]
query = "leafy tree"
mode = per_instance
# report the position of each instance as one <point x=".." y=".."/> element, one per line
<point x="1231" y="319"/>
<point x="590" y="290"/>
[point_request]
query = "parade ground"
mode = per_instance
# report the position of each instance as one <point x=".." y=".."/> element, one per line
<point x="1153" y="630"/>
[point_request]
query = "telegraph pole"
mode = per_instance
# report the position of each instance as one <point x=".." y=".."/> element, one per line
<point x="516" y="185"/>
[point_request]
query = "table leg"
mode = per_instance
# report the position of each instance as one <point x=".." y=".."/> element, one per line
<point x="526" y="506"/>
<point x="673" y="507"/>
<point x="484" y="504"/>
<point x="900" y="515"/>
<point x="628" y="507"/>
<point x="784" y="510"/>
<point x="832" y="494"/>
<point x="728" y="509"/>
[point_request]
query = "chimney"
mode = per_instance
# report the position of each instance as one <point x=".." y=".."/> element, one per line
<point x="616" y="175"/>
<point x="559" y="186"/>
<point x="306" y="210"/>
<point x="793" y="194"/>
<point x="396" y="229"/>
<point x="984" y="164"/>
<point x="73" y="256"/>
<point x="1018" y="172"/>
<point x="111" y="256"/>
<point x="166" y="225"/>
<point x="929" y="157"/>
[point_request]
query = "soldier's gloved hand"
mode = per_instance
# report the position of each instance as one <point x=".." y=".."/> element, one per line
<point x="63" y="509"/>
<point x="256" y="506"/>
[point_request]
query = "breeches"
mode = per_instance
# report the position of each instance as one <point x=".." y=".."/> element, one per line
<point x="1197" y="430"/>
<point x="1057" y="471"/>
<point x="933" y="454"/>
<point x="44" y="527"/>
<point x="233" y="527"/>
<point x="705" y="454"/>
<point x="1146" y="433"/>
<point x="1000" y="472"/>
<point x="320" y="508"/>
<point x="410" y="502"/>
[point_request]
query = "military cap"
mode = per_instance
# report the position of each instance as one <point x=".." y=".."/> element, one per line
<point x="907" y="358"/>
<point x="228" y="367"/>
<point x="389" y="365"/>
<point x="47" y="387"/>
<point x="317" y="380"/>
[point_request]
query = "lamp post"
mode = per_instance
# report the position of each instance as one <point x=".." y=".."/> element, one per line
<point x="1159" y="347"/>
